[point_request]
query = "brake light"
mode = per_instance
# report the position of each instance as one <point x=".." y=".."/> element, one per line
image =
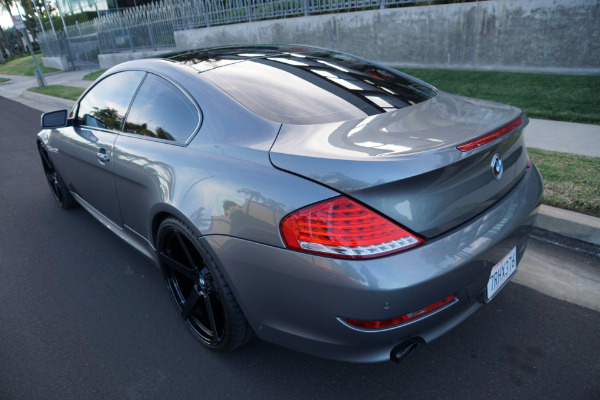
<point x="490" y="137"/>
<point x="386" y="323"/>
<point x="343" y="228"/>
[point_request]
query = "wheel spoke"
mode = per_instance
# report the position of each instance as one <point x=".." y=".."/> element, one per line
<point x="190" y="303"/>
<point x="182" y="269"/>
<point x="46" y="159"/>
<point x="56" y="187"/>
<point x="185" y="250"/>
<point x="211" y="318"/>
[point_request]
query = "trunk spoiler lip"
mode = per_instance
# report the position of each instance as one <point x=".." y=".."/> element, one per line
<point x="500" y="133"/>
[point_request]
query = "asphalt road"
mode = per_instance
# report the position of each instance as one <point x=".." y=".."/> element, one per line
<point x="83" y="316"/>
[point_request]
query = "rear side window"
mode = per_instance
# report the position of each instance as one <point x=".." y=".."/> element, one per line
<point x="106" y="104"/>
<point x="161" y="110"/>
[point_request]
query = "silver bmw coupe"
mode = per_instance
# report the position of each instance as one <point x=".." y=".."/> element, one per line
<point x="312" y="198"/>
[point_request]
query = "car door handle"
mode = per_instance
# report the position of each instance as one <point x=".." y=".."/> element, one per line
<point x="102" y="156"/>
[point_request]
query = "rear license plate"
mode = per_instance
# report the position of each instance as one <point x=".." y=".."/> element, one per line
<point x="501" y="273"/>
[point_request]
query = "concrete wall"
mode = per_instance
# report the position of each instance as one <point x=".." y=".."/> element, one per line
<point x="112" y="59"/>
<point x="56" y="62"/>
<point x="519" y="35"/>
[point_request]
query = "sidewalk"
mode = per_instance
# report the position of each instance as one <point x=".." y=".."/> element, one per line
<point x="16" y="89"/>
<point x="543" y="134"/>
<point x="567" y="137"/>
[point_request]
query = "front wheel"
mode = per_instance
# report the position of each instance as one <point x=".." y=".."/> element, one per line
<point x="57" y="185"/>
<point x="199" y="290"/>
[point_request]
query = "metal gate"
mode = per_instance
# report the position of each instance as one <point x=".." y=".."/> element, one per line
<point x="82" y="51"/>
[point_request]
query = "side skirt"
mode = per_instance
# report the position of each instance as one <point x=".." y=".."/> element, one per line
<point x="131" y="237"/>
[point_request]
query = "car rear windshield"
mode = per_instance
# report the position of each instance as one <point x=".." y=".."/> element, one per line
<point x="312" y="87"/>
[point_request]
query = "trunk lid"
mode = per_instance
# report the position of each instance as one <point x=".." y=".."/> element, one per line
<point x="406" y="165"/>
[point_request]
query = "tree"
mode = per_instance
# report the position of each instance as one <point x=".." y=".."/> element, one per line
<point x="29" y="17"/>
<point x="7" y="4"/>
<point x="6" y="44"/>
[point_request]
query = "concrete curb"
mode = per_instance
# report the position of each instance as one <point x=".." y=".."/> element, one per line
<point x="54" y="101"/>
<point x="583" y="231"/>
<point x="569" y="223"/>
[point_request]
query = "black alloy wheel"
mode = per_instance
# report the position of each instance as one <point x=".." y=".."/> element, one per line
<point x="57" y="186"/>
<point x="199" y="290"/>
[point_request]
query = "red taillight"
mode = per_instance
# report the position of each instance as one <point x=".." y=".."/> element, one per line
<point x="341" y="227"/>
<point x="386" y="323"/>
<point x="490" y="137"/>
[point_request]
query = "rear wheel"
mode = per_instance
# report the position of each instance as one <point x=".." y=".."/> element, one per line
<point x="57" y="185"/>
<point x="199" y="290"/>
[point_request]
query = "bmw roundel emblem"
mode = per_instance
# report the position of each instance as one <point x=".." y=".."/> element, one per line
<point x="497" y="166"/>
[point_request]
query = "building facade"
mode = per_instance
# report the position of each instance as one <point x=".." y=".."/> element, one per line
<point x="70" y="7"/>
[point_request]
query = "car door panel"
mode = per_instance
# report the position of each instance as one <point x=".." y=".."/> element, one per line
<point x="86" y="147"/>
<point x="88" y="176"/>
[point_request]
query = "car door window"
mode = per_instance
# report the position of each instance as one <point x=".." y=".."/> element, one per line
<point x="106" y="104"/>
<point x="161" y="110"/>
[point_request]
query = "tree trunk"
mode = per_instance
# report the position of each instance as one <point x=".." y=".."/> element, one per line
<point x="7" y="44"/>
<point x="28" y="24"/>
<point x="28" y="9"/>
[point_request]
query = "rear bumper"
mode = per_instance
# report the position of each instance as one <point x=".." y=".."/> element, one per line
<point x="295" y="300"/>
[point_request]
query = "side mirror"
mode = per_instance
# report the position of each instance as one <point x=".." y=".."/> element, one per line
<point x="54" y="119"/>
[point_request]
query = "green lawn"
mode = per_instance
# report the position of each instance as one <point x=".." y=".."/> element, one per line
<point x="92" y="76"/>
<point x="571" y="181"/>
<point x="24" y="66"/>
<point x="574" y="98"/>
<point x="4" y="80"/>
<point x="66" y="92"/>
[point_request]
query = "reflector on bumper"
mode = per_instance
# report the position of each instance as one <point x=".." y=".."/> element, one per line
<point x="388" y="323"/>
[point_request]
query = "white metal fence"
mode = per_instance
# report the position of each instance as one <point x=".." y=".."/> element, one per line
<point x="152" y="26"/>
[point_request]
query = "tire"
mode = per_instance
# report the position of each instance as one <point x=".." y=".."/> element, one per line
<point x="57" y="186"/>
<point x="199" y="290"/>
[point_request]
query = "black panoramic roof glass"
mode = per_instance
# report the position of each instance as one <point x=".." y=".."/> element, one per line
<point x="304" y="85"/>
